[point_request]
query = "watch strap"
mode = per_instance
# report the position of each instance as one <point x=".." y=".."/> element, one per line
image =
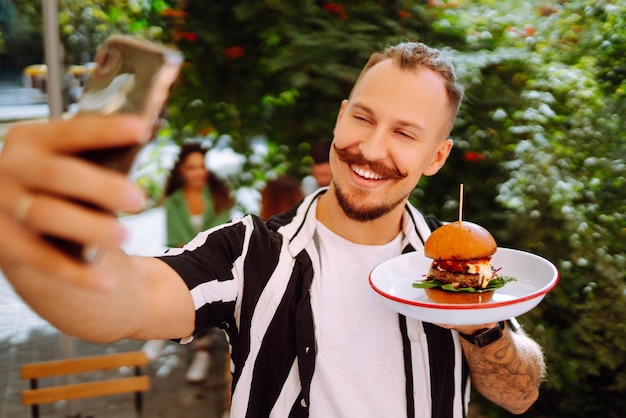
<point x="484" y="337"/>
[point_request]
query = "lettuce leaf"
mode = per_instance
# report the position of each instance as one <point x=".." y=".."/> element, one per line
<point x="495" y="283"/>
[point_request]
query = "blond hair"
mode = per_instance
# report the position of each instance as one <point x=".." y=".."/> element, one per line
<point x="413" y="56"/>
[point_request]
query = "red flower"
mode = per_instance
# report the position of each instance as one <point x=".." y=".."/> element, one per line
<point x="207" y="131"/>
<point x="403" y="14"/>
<point x="529" y="31"/>
<point x="234" y="52"/>
<point x="169" y="12"/>
<point x="473" y="156"/>
<point x="337" y="9"/>
<point x="185" y="36"/>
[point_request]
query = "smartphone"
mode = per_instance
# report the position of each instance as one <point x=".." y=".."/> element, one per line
<point x="131" y="75"/>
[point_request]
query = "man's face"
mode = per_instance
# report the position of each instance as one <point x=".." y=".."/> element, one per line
<point x="390" y="132"/>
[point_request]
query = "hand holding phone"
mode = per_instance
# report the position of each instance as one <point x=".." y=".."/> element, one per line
<point x="131" y="76"/>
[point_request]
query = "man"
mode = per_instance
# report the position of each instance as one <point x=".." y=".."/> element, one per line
<point x="308" y="336"/>
<point x="320" y="168"/>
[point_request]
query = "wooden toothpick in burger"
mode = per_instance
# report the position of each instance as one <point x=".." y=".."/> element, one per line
<point x="461" y="271"/>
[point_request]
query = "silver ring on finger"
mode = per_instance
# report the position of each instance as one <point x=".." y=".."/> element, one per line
<point x="22" y="208"/>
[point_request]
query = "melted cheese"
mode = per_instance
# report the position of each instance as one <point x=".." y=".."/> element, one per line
<point x="484" y="270"/>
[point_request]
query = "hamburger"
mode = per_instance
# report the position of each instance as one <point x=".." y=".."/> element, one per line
<point x="461" y="271"/>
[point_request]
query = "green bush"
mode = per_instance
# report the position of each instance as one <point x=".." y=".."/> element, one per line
<point x="278" y="69"/>
<point x="547" y="124"/>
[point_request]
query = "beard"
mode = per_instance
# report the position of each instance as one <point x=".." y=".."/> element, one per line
<point x="360" y="213"/>
<point x="352" y="204"/>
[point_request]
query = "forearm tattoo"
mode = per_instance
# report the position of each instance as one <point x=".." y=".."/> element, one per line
<point x="508" y="371"/>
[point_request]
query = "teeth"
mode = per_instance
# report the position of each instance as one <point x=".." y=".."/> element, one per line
<point x="367" y="174"/>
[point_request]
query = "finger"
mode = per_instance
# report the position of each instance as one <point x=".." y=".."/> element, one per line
<point x="48" y="215"/>
<point x="84" y="132"/>
<point x="15" y="203"/>
<point x="24" y="252"/>
<point x="74" y="222"/>
<point x="66" y="175"/>
<point x="80" y="180"/>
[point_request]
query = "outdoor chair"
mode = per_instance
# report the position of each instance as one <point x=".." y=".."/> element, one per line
<point x="98" y="386"/>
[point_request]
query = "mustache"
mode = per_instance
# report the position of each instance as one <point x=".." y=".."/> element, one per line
<point x="392" y="173"/>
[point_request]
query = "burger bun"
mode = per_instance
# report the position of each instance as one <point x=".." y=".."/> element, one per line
<point x="445" y="296"/>
<point x="460" y="241"/>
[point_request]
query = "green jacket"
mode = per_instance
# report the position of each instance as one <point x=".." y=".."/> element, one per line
<point x="179" y="228"/>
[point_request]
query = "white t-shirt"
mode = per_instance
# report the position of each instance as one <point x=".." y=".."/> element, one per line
<point x="196" y="221"/>
<point x="359" y="367"/>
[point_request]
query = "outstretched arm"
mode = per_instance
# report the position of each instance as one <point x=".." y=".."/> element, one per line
<point x="508" y="371"/>
<point x="41" y="180"/>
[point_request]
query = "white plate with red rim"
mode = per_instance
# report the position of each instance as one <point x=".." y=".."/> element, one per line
<point x="535" y="277"/>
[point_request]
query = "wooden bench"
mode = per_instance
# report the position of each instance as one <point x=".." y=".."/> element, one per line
<point x="104" y="387"/>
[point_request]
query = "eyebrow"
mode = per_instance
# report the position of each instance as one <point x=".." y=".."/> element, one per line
<point x="400" y="122"/>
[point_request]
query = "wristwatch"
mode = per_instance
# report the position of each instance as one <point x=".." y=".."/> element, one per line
<point x="484" y="337"/>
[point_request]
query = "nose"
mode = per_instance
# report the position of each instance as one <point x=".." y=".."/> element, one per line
<point x="374" y="146"/>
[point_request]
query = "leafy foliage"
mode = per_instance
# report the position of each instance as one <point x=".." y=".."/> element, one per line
<point x="540" y="149"/>
<point x="276" y="68"/>
<point x="85" y="24"/>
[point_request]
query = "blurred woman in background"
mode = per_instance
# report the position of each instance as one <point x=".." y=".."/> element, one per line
<point x="194" y="198"/>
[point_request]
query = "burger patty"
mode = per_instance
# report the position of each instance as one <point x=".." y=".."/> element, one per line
<point x="457" y="279"/>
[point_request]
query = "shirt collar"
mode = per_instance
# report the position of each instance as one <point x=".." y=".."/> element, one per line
<point x="301" y="230"/>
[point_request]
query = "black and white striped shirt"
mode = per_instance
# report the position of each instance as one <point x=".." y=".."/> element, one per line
<point x="253" y="279"/>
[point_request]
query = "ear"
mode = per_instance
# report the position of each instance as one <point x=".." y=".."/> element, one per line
<point x="440" y="157"/>
<point x="342" y="108"/>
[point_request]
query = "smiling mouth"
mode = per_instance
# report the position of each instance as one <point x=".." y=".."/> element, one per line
<point x="369" y="170"/>
<point x="366" y="173"/>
